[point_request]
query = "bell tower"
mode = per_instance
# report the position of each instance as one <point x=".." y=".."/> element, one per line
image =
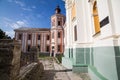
<point x="57" y="10"/>
<point x="57" y="23"/>
<point x="57" y="19"/>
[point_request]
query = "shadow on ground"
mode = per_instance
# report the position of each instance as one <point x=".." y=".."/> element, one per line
<point x="50" y="74"/>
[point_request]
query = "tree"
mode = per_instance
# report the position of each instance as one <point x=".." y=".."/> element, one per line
<point x="3" y="35"/>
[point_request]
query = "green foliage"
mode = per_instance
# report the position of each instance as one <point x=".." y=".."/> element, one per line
<point x="59" y="57"/>
<point x="3" y="35"/>
<point x="43" y="55"/>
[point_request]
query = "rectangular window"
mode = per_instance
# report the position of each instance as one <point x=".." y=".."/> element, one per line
<point x="52" y="47"/>
<point x="75" y="33"/>
<point x="47" y="48"/>
<point x="104" y="22"/>
<point x="39" y="37"/>
<point x="28" y="49"/>
<point x="29" y="36"/>
<point x="58" y="48"/>
<point x="48" y="37"/>
<point x="58" y="34"/>
<point x="59" y="23"/>
<point x="20" y="36"/>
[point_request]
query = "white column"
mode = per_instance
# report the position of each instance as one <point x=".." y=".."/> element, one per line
<point x="114" y="15"/>
<point x="83" y="16"/>
<point x="25" y="41"/>
<point x="68" y="22"/>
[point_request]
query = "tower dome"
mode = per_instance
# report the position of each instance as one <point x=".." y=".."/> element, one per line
<point x="57" y="10"/>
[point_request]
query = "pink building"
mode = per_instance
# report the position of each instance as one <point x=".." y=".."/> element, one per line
<point x="39" y="37"/>
<point x="47" y="40"/>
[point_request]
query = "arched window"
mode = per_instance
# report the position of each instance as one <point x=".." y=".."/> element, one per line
<point x="96" y="18"/>
<point x="73" y="11"/>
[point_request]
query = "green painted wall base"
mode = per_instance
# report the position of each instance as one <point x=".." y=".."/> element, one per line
<point x="67" y="62"/>
<point x="102" y="63"/>
<point x="94" y="74"/>
<point x="80" y="68"/>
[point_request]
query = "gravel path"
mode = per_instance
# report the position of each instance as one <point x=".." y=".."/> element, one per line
<point x="54" y="71"/>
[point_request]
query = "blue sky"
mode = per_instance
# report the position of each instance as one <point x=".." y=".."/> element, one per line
<point x="27" y="13"/>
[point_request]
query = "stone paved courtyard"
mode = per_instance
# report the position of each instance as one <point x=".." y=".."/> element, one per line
<point x="55" y="71"/>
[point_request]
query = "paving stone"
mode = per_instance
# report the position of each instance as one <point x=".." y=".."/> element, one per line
<point x="54" y="71"/>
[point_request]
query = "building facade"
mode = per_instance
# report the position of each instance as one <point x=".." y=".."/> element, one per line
<point x="47" y="40"/>
<point x="92" y="36"/>
<point x="39" y="37"/>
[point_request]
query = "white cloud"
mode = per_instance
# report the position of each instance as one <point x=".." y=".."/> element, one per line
<point x="20" y="3"/>
<point x="7" y="19"/>
<point x="11" y="25"/>
<point x="18" y="24"/>
<point x="14" y="24"/>
<point x="10" y="33"/>
<point x="27" y="9"/>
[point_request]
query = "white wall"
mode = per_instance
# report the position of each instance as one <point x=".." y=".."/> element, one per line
<point x="83" y="21"/>
<point x="115" y="12"/>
